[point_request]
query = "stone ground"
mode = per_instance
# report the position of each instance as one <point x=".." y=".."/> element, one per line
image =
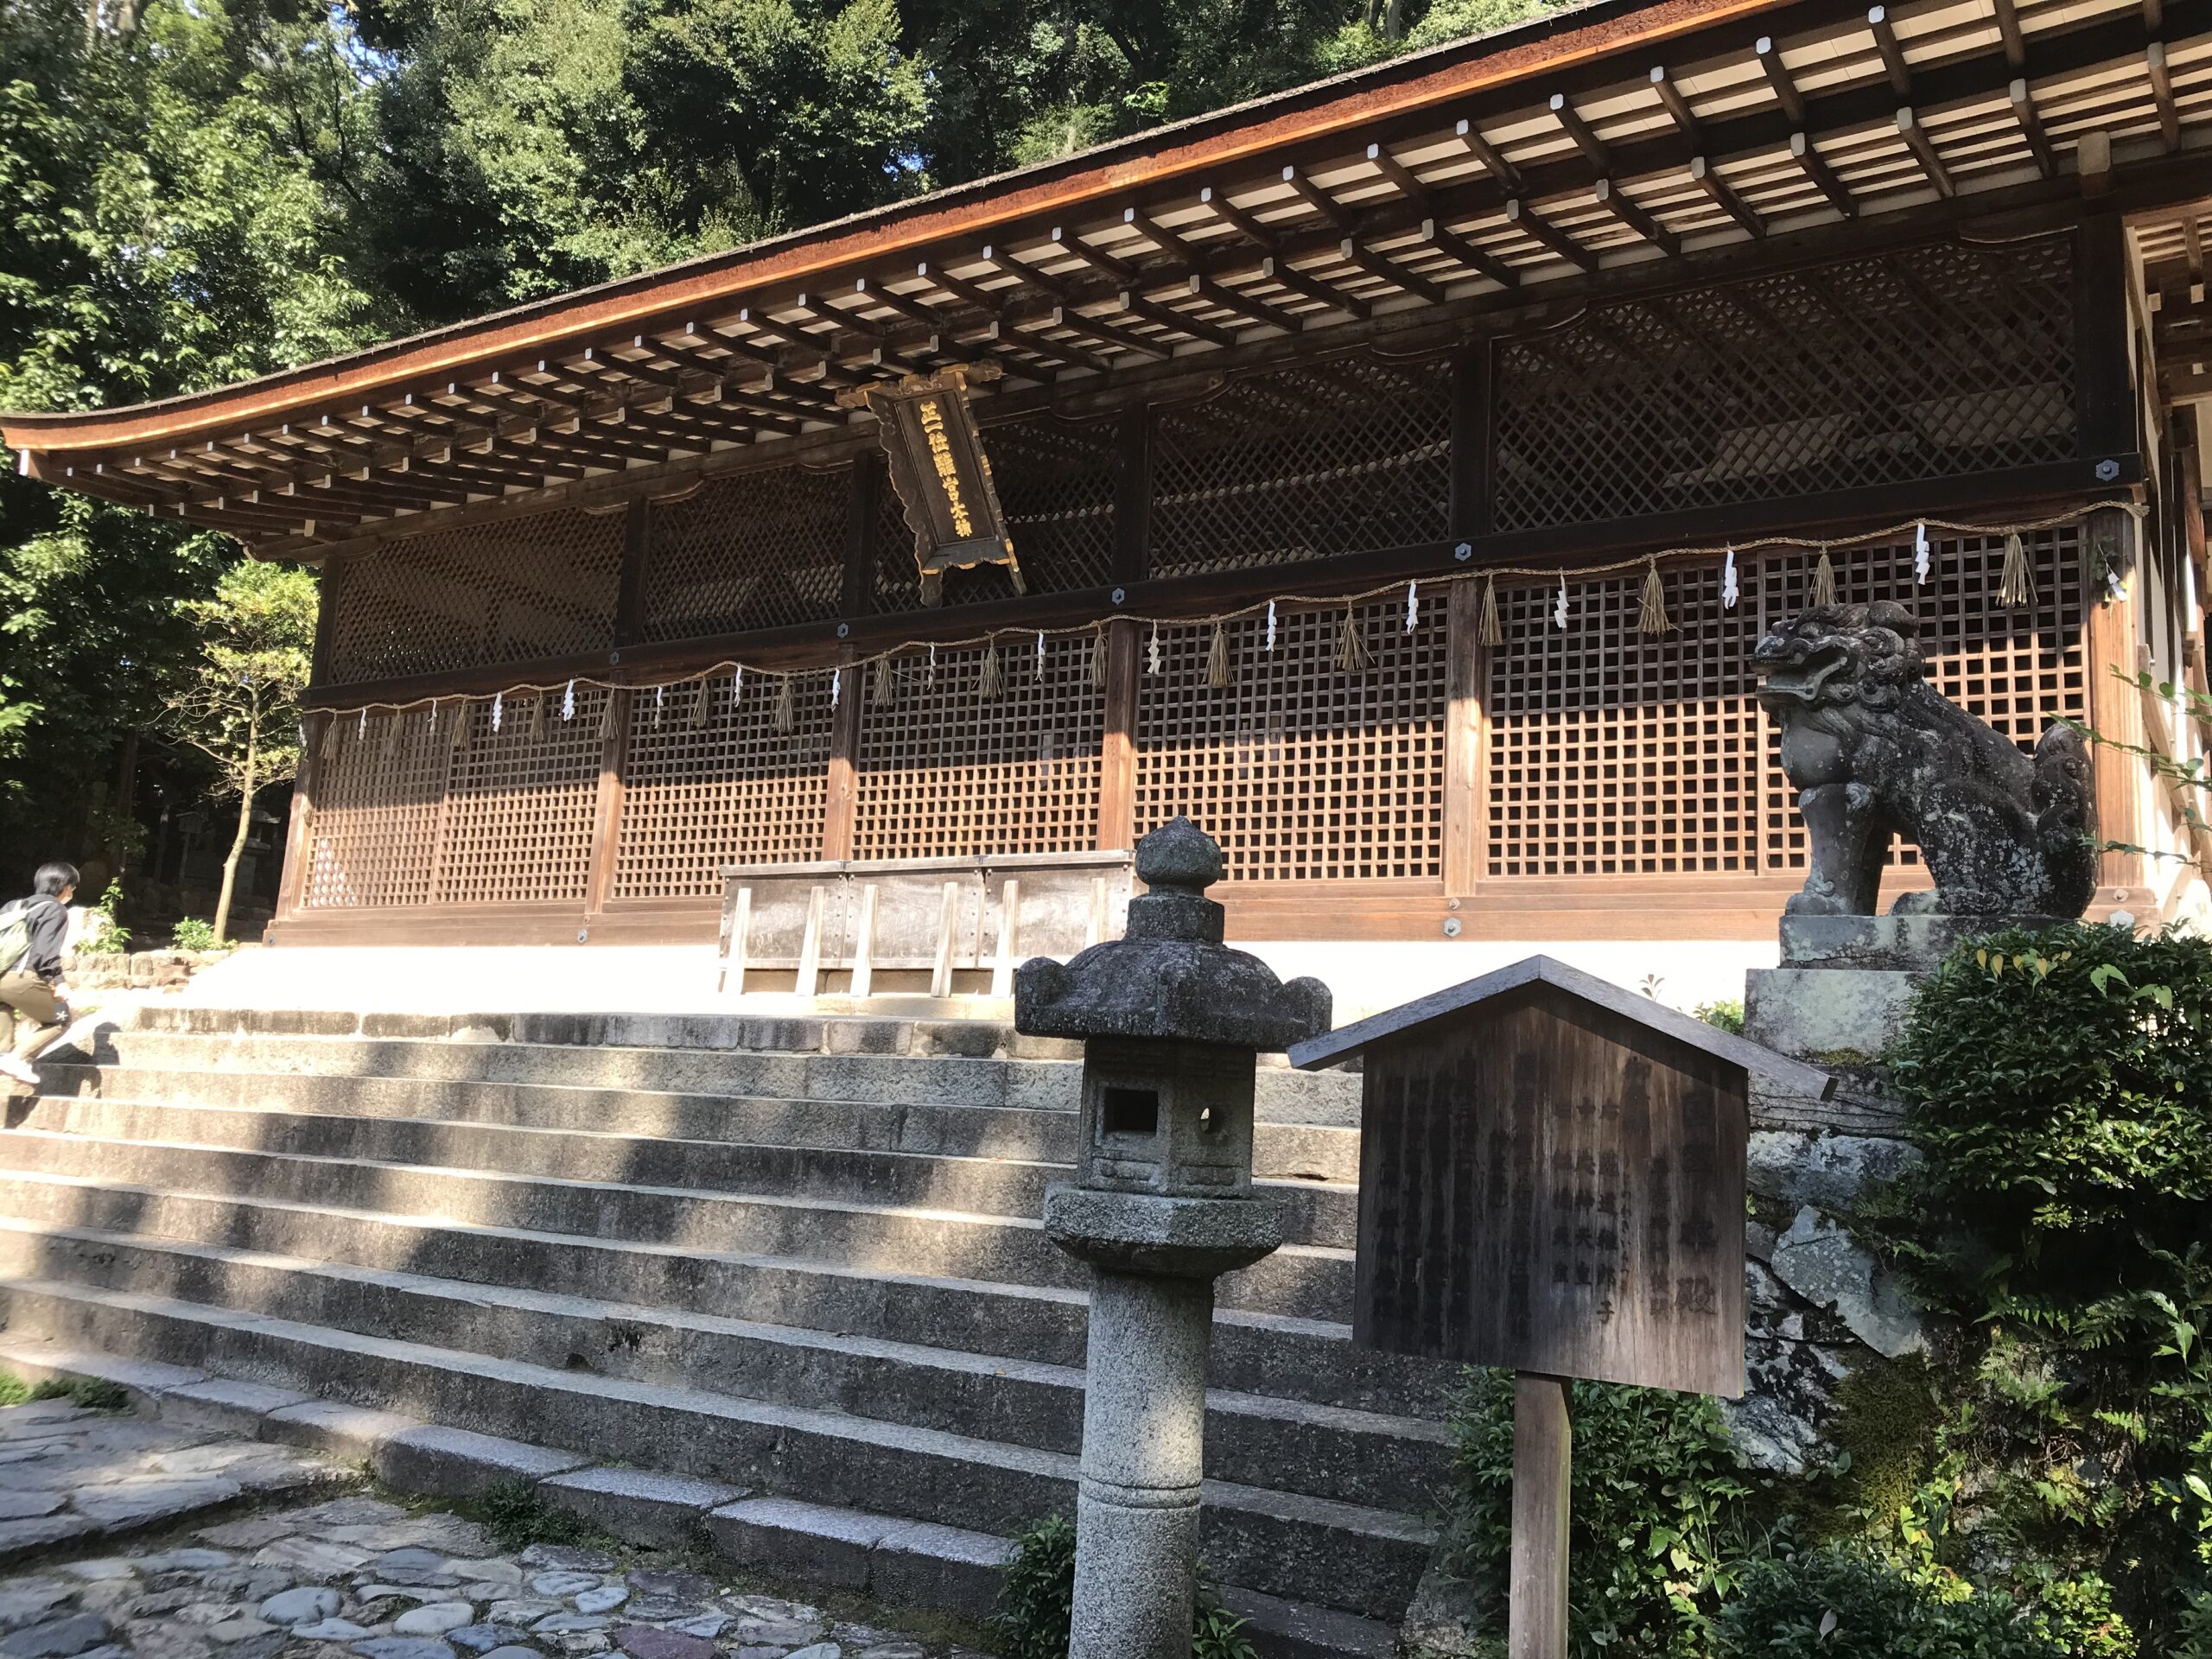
<point x="210" y="1551"/>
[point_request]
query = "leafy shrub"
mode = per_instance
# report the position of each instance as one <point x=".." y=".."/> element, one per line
<point x="1727" y="1014"/>
<point x="13" y="1389"/>
<point x="191" y="934"/>
<point x="1037" y="1602"/>
<point x="2060" y="1084"/>
<point x="111" y="937"/>
<point x="1658" y="1526"/>
<point x="1847" y="1604"/>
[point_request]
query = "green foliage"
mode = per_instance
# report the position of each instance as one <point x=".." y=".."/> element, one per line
<point x="2189" y="782"/>
<point x="1886" y="1431"/>
<point x="112" y="938"/>
<point x="88" y="1393"/>
<point x="2060" y="1084"/>
<point x="1037" y="1600"/>
<point x="517" y="1515"/>
<point x="13" y="1389"/>
<point x="1726" y="1015"/>
<point x="191" y="934"/>
<point x="1659" y="1530"/>
<point x="1843" y="1603"/>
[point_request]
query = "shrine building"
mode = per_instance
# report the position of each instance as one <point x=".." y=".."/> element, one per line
<point x="1393" y="475"/>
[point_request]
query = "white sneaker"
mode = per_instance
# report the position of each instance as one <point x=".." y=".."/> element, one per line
<point x="21" y="1070"/>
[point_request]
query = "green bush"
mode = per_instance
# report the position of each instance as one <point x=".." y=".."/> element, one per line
<point x="13" y="1389"/>
<point x="191" y="934"/>
<point x="1727" y="1014"/>
<point x="1847" y="1604"/>
<point x="2060" y="1084"/>
<point x="1659" y="1525"/>
<point x="89" y="1393"/>
<point x="114" y="939"/>
<point x="517" y="1515"/>
<point x="1036" y="1601"/>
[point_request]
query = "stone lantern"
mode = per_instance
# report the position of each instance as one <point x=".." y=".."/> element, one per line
<point x="1162" y="1205"/>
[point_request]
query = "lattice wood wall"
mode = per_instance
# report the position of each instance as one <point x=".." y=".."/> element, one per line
<point x="507" y="590"/>
<point x="763" y="550"/>
<point x="521" y="801"/>
<point x="1927" y="363"/>
<point x="1349" y="453"/>
<point x="727" y="789"/>
<point x="1302" y="771"/>
<point x="1615" y="753"/>
<point x="944" y="772"/>
<point x="379" y="795"/>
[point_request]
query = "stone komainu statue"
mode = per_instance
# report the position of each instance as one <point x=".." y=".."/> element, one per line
<point x="1874" y="751"/>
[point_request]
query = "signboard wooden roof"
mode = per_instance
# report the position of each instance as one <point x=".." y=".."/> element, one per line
<point x="1553" y="1179"/>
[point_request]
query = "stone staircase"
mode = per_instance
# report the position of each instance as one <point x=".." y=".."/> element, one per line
<point x="801" y="1257"/>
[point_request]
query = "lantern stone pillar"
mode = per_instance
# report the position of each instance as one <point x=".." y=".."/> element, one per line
<point x="1162" y="1205"/>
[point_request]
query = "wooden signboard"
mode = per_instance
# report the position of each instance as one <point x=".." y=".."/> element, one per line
<point x="943" y="476"/>
<point x="1552" y="1180"/>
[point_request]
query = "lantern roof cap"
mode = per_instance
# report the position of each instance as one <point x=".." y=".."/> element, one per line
<point x="1777" y="1068"/>
<point x="1170" y="978"/>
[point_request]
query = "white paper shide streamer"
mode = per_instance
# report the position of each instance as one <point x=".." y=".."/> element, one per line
<point x="1920" y="555"/>
<point x="1271" y="625"/>
<point x="498" y="708"/>
<point x="836" y="685"/>
<point x="1559" y="607"/>
<point x="1412" y="606"/>
<point x="1729" y="592"/>
<point x="569" y="702"/>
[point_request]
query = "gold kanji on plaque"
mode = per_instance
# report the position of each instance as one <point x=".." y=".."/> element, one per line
<point x="942" y="474"/>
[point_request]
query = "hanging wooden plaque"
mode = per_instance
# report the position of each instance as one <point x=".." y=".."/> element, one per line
<point x="943" y="476"/>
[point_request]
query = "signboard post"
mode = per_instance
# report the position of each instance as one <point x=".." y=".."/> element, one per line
<point x="941" y="474"/>
<point x="1552" y="1181"/>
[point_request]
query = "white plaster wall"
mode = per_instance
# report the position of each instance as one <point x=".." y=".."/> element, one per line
<point x="1365" y="977"/>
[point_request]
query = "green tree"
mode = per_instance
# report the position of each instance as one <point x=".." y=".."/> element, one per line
<point x="239" y="703"/>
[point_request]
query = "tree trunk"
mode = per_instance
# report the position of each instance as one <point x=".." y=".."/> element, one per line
<point x="238" y="841"/>
<point x="123" y="807"/>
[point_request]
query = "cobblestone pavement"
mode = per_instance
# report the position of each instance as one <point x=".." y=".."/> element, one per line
<point x="350" y="1577"/>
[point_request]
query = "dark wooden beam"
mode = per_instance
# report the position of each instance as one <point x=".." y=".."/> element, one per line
<point x="1096" y="259"/>
<point x="1709" y="181"/>
<point x="1502" y="173"/>
<point x="2162" y="92"/>
<point x="1575" y="127"/>
<point x="1282" y="272"/>
<point x="1388" y="269"/>
<point x="2104" y="385"/>
<point x="1472" y="458"/>
<point x="1824" y="177"/>
<point x="1132" y="496"/>
<point x="1317" y="199"/>
<point x="2008" y="31"/>
<point x="862" y="507"/>
<point x="1677" y="106"/>
<point x="1924" y="149"/>
<point x="1468" y="254"/>
<point x="1217" y="203"/>
<point x="1893" y="59"/>
<point x="1779" y="78"/>
<point x="1527" y="219"/>
<point x="1618" y="202"/>
<point x="2031" y="129"/>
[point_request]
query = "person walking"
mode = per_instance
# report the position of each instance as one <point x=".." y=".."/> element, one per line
<point x="32" y="932"/>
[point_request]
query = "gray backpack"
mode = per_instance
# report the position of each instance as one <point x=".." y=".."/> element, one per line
<point x="15" y="932"/>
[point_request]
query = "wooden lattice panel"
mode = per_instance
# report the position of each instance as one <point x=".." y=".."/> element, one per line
<point x="945" y="773"/>
<point x="731" y="790"/>
<point x="2018" y="669"/>
<point x="1614" y="753"/>
<point x="764" y="550"/>
<point x="1056" y="481"/>
<point x="1347" y="454"/>
<point x="1302" y="771"/>
<point x="521" y="803"/>
<point x="378" y="788"/>
<point x="504" y="591"/>
<point x="1926" y="363"/>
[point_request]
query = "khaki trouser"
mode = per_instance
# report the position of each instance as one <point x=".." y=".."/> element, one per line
<point x="37" y="1014"/>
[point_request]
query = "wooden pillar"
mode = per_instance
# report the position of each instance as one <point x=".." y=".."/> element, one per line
<point x="861" y="506"/>
<point x="292" y="885"/>
<point x="1133" y="499"/>
<point x="840" y="807"/>
<point x="333" y="575"/>
<point x="2116" y="709"/>
<point x="1117" y="769"/>
<point x="607" y="820"/>
<point x="1542" y="1468"/>
<point x="1471" y="441"/>
<point x="2103" y="370"/>
<point x="1466" y="740"/>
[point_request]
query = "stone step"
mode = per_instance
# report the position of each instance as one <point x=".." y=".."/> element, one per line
<point x="1279" y="1095"/>
<point x="1308" y="1280"/>
<point x="900" y="1563"/>
<point x="1313" y="1212"/>
<point x="1363" y="1458"/>
<point x="1282" y="1356"/>
<point x="1305" y="1152"/>
<point x="1359" y="1559"/>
